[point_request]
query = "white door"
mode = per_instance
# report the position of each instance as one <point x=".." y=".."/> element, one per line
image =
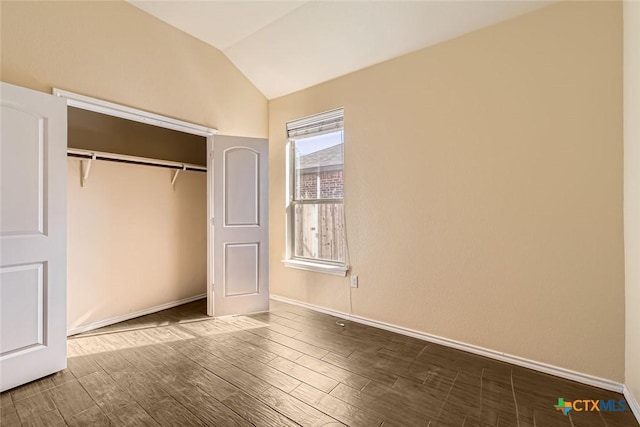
<point x="33" y="251"/>
<point x="240" y="231"/>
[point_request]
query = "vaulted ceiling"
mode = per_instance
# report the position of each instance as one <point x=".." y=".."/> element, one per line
<point x="286" y="46"/>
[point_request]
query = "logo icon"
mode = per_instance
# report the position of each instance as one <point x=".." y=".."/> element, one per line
<point x="563" y="406"/>
<point x="590" y="405"/>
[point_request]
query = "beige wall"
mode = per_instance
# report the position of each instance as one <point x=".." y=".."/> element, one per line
<point x="483" y="189"/>
<point x="133" y="243"/>
<point x="632" y="193"/>
<point x="114" y="51"/>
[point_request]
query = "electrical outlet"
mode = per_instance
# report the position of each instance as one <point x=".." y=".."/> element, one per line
<point x="354" y="281"/>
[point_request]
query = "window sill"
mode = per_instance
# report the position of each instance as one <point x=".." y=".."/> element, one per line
<point x="336" y="270"/>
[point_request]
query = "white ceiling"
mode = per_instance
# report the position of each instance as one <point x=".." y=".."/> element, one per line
<point x="286" y="46"/>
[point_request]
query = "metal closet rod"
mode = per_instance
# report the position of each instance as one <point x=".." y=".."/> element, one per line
<point x="100" y="155"/>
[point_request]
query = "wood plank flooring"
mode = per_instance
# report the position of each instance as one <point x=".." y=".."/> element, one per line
<point x="287" y="367"/>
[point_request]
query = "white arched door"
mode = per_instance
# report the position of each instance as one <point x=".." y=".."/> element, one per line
<point x="239" y="226"/>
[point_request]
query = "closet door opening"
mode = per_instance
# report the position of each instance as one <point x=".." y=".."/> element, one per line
<point x="138" y="221"/>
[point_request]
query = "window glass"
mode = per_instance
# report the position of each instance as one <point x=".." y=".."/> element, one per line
<point x="319" y="162"/>
<point x="319" y="231"/>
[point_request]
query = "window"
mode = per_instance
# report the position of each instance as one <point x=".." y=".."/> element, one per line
<point x="315" y="211"/>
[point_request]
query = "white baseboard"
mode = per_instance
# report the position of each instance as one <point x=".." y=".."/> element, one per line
<point x="128" y="316"/>
<point x="633" y="403"/>
<point x="504" y="357"/>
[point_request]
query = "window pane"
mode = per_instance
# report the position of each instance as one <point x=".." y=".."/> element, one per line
<point x="319" y="162"/>
<point x="319" y="231"/>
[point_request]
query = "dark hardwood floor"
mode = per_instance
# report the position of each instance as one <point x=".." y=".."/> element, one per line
<point x="288" y="367"/>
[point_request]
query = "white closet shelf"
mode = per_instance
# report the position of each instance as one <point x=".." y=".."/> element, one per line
<point x="100" y="155"/>
<point x="89" y="156"/>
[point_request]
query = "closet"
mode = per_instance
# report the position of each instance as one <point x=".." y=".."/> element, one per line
<point x="160" y="213"/>
<point x="137" y="227"/>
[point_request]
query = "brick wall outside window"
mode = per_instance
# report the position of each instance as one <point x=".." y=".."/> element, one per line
<point x="331" y="185"/>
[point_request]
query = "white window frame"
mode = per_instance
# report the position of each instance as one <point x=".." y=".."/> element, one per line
<point x="326" y="122"/>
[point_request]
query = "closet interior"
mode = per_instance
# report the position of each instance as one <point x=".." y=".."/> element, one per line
<point x="136" y="219"/>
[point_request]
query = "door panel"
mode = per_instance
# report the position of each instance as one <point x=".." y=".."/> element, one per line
<point x="240" y="226"/>
<point x="242" y="204"/>
<point x="241" y="269"/>
<point x="24" y="287"/>
<point x="25" y="162"/>
<point x="33" y="252"/>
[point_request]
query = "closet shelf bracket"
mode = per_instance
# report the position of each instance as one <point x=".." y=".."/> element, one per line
<point x="86" y="167"/>
<point x="175" y="176"/>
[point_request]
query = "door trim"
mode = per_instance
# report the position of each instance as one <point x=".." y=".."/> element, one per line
<point x="117" y="110"/>
<point x="112" y="109"/>
<point x="210" y="231"/>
